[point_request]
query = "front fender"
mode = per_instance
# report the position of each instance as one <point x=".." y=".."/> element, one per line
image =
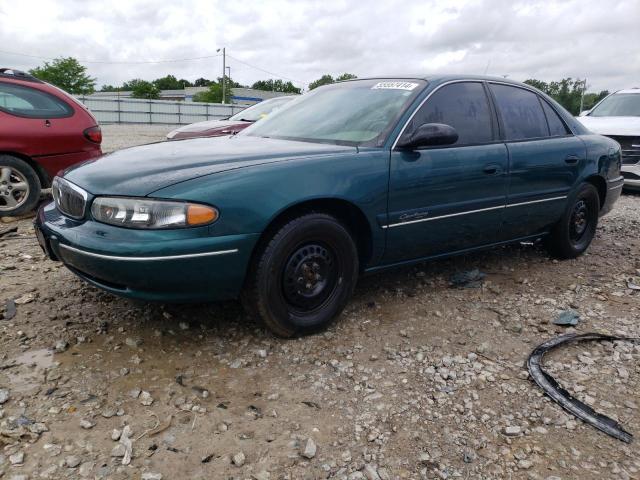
<point x="250" y="198"/>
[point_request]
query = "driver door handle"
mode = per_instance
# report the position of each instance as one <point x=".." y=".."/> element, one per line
<point x="492" y="169"/>
<point x="572" y="159"/>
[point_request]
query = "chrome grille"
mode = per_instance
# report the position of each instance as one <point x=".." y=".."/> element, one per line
<point x="630" y="149"/>
<point x="70" y="199"/>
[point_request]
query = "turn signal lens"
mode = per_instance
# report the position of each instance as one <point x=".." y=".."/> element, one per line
<point x="201" y="215"/>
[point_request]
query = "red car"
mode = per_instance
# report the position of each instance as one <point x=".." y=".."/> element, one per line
<point x="231" y="125"/>
<point x="42" y="130"/>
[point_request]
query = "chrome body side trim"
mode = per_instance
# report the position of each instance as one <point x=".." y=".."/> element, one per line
<point x="147" y="259"/>
<point x="399" y="224"/>
<point x="442" y="216"/>
<point x="536" y="201"/>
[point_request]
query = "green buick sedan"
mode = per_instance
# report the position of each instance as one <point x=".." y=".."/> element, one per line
<point x="349" y="179"/>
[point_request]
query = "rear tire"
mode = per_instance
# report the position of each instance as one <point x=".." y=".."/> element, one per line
<point x="19" y="187"/>
<point x="303" y="277"/>
<point x="573" y="234"/>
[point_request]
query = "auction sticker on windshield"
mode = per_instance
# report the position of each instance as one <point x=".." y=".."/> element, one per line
<point x="394" y="86"/>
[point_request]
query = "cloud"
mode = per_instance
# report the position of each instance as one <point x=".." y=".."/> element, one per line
<point x="302" y="40"/>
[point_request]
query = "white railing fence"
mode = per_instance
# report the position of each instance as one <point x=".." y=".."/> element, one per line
<point x="166" y="112"/>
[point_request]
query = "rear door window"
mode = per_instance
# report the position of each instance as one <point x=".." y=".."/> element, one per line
<point x="31" y="103"/>
<point x="557" y="127"/>
<point x="521" y="112"/>
<point x="463" y="106"/>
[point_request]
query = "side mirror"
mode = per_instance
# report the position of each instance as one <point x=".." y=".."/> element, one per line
<point x="429" y="135"/>
<point x="584" y="113"/>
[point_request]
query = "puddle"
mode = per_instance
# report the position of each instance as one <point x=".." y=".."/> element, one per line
<point x="30" y="369"/>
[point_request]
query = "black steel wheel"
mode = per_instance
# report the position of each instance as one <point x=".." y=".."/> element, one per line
<point x="302" y="278"/>
<point x="310" y="276"/>
<point x="573" y="234"/>
<point x="579" y="222"/>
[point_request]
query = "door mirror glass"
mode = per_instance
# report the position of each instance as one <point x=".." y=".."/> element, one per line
<point x="430" y="135"/>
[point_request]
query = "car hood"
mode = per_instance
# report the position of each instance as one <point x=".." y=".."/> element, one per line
<point x="616" y="126"/>
<point x="208" y="125"/>
<point x="139" y="171"/>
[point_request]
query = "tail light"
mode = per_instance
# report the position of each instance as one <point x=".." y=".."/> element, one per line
<point x="93" y="134"/>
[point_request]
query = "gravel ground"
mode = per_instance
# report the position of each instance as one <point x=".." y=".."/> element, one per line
<point x="415" y="380"/>
<point x="116" y="137"/>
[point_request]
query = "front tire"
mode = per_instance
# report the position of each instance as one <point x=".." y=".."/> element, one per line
<point x="573" y="234"/>
<point x="304" y="276"/>
<point x="19" y="187"/>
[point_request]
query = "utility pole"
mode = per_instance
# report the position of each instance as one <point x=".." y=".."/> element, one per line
<point x="584" y="87"/>
<point x="229" y="80"/>
<point x="224" y="71"/>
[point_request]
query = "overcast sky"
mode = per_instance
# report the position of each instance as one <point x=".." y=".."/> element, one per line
<point x="301" y="40"/>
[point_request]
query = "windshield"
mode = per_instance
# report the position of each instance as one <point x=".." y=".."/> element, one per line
<point x="260" y="110"/>
<point x="360" y="112"/>
<point x="618" y="105"/>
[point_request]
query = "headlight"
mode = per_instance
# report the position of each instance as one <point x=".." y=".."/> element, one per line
<point x="151" y="214"/>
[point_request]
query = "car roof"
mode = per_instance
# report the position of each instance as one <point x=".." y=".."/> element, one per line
<point x="279" y="97"/>
<point x="440" y="78"/>
<point x="13" y="74"/>
<point x="629" y="90"/>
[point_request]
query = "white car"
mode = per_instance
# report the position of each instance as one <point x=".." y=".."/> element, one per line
<point x="618" y="116"/>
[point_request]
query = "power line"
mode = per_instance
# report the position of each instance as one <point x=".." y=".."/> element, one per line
<point x="265" y="71"/>
<point x="172" y="60"/>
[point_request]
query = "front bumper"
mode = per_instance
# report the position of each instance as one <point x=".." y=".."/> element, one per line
<point x="184" y="265"/>
<point x="631" y="175"/>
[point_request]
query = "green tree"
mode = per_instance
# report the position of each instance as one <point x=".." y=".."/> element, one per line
<point x="67" y="74"/>
<point x="214" y="92"/>
<point x="276" y="86"/>
<point x="590" y="99"/>
<point x="567" y="92"/>
<point x="109" y="88"/>
<point x="323" y="80"/>
<point x="539" y="84"/>
<point x="346" y="76"/>
<point x="202" y="82"/>
<point x="142" y="89"/>
<point x="171" y="83"/>
<point x="263" y="85"/>
<point x="212" y="95"/>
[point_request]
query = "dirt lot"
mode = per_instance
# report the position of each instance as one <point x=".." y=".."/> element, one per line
<point x="415" y="380"/>
<point x="116" y="137"/>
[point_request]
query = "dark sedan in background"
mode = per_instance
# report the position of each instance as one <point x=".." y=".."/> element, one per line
<point x="353" y="177"/>
<point x="231" y="125"/>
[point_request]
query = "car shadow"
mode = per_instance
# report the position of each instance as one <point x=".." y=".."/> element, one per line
<point x="227" y="320"/>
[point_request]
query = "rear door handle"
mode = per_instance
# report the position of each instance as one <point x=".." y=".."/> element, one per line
<point x="492" y="169"/>
<point x="572" y="159"/>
